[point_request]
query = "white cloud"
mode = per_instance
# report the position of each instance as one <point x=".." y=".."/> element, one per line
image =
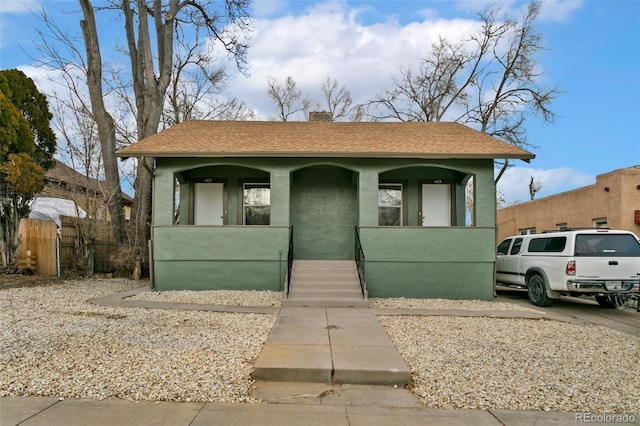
<point x="559" y="10"/>
<point x="514" y="184"/>
<point x="328" y="39"/>
<point x="267" y="7"/>
<point x="47" y="80"/>
<point x="18" y="6"/>
<point x="428" y="13"/>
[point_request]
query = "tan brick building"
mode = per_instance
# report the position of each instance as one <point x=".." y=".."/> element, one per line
<point x="612" y="202"/>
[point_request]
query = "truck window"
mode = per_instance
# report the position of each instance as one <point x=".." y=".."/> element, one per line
<point x="517" y="244"/>
<point x="606" y="245"/>
<point x="548" y="244"/>
<point x="503" y="248"/>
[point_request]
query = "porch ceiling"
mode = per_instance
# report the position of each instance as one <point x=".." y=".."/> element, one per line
<point x="322" y="139"/>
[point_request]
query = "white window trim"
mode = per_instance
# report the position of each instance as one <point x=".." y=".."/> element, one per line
<point x="244" y="206"/>
<point x="394" y="184"/>
<point x="600" y="222"/>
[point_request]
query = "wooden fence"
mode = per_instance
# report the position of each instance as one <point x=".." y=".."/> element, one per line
<point x="39" y="237"/>
<point x="104" y="243"/>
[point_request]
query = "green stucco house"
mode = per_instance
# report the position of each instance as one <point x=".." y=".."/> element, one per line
<point x="229" y="196"/>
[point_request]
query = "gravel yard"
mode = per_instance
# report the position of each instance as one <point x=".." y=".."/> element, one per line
<point x="518" y="364"/>
<point x="444" y="304"/>
<point x="54" y="343"/>
<point x="219" y="297"/>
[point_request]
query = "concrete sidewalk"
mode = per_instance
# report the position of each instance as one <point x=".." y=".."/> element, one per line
<point x="40" y="411"/>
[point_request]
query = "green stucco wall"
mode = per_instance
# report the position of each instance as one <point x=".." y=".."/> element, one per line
<point x="324" y="199"/>
<point x="452" y="263"/>
<point x="219" y="257"/>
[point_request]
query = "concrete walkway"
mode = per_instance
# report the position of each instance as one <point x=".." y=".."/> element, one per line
<point x="334" y="346"/>
<point x="330" y="345"/>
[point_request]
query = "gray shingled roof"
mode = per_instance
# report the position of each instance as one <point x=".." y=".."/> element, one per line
<point x="322" y="139"/>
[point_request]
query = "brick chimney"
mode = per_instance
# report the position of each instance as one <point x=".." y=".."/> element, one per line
<point x="320" y="116"/>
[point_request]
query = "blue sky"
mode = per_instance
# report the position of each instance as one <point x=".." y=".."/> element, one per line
<point x="593" y="55"/>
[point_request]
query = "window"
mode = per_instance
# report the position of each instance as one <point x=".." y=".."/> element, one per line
<point x="390" y="204"/>
<point x="606" y="245"/>
<point x="527" y="231"/>
<point x="562" y="227"/>
<point x="503" y="248"/>
<point x="256" y="204"/>
<point x="517" y="244"/>
<point x="601" y="222"/>
<point x="549" y="244"/>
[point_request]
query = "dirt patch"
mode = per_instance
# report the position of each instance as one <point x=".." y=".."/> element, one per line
<point x="18" y="280"/>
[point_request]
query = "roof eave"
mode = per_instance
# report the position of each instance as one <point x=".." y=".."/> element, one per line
<point x="525" y="156"/>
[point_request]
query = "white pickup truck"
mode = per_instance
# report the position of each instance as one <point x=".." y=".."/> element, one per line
<point x="601" y="263"/>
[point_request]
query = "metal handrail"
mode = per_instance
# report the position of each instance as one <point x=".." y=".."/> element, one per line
<point x="289" y="260"/>
<point x="359" y="255"/>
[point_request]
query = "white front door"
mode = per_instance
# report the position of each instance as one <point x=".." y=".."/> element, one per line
<point x="208" y="208"/>
<point x="436" y="204"/>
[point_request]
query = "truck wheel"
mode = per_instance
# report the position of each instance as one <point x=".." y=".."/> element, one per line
<point x="538" y="292"/>
<point x="611" y="301"/>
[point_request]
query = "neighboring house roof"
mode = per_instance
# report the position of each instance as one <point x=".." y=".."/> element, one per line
<point x="322" y="139"/>
<point x="63" y="174"/>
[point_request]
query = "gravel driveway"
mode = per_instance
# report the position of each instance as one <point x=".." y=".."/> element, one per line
<point x="54" y="343"/>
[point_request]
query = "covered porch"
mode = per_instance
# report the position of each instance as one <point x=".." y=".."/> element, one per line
<point x="425" y="231"/>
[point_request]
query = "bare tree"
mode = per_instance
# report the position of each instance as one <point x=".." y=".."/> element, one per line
<point x="500" y="200"/>
<point x="339" y="102"/>
<point x="151" y="69"/>
<point x="429" y="92"/>
<point x="196" y="90"/>
<point x="288" y="98"/>
<point x="491" y="81"/>
<point x="534" y="188"/>
<point x="104" y="121"/>
<point x="79" y="146"/>
<point x="507" y="87"/>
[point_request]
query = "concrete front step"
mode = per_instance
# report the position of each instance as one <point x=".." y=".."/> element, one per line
<point x="325" y="283"/>
<point x="321" y="274"/>
<point x="310" y="292"/>
<point x="332" y="264"/>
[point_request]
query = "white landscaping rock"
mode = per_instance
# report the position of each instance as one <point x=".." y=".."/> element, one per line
<point x="54" y="343"/>
<point x="518" y="364"/>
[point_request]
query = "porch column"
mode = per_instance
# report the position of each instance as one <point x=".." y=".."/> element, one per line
<point x="280" y="197"/>
<point x="163" y="184"/>
<point x="485" y="200"/>
<point x="368" y="197"/>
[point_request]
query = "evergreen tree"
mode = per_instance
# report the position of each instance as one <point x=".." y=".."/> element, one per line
<point x="27" y="145"/>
